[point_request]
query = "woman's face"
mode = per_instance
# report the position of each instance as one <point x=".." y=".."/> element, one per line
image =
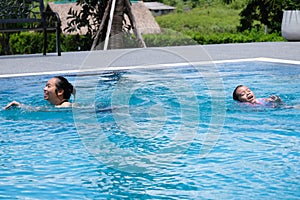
<point x="245" y="94"/>
<point x="50" y="92"/>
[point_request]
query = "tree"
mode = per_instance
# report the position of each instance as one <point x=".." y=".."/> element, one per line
<point x="95" y="16"/>
<point x="11" y="9"/>
<point x="267" y="12"/>
<point x="292" y="4"/>
<point x="89" y="17"/>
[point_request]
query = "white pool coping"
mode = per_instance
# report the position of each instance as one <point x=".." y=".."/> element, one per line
<point x="159" y="57"/>
<point x="159" y="66"/>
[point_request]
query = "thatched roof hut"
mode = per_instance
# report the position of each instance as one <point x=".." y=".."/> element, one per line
<point x="158" y="8"/>
<point x="145" y="21"/>
<point x="62" y="9"/>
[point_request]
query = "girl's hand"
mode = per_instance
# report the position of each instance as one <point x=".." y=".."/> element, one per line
<point x="13" y="103"/>
<point x="276" y="99"/>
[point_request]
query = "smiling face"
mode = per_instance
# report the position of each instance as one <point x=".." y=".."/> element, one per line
<point x="51" y="93"/>
<point x="244" y="94"/>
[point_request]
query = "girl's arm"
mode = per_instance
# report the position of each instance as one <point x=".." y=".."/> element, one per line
<point x="275" y="98"/>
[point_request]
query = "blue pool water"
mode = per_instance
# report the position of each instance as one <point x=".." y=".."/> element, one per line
<point x="140" y="135"/>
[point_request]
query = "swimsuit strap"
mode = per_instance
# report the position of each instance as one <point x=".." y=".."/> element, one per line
<point x="65" y="100"/>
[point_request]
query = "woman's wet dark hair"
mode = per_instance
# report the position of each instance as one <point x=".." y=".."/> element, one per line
<point x="234" y="95"/>
<point x="63" y="84"/>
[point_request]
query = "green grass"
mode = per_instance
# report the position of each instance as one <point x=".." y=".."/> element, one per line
<point x="213" y="24"/>
<point x="208" y="20"/>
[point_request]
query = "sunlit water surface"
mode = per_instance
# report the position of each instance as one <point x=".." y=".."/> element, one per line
<point x="46" y="152"/>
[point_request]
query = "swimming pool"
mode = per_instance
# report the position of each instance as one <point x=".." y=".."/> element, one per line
<point x="126" y="139"/>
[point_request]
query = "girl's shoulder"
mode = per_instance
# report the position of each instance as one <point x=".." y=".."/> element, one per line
<point x="262" y="101"/>
<point x="270" y="102"/>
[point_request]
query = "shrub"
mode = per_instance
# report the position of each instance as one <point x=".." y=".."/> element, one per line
<point x="247" y="36"/>
<point x="168" y="38"/>
<point x="32" y="42"/>
<point x="26" y="43"/>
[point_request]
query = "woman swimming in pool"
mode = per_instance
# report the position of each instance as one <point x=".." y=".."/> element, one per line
<point x="57" y="91"/>
<point x="243" y="94"/>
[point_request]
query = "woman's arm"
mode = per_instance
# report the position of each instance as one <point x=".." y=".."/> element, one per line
<point x="13" y="103"/>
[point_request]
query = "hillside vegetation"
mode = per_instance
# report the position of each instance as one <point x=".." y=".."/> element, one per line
<point x="214" y="23"/>
<point x="206" y="20"/>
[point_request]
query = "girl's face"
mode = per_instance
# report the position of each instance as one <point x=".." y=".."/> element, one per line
<point x="245" y="94"/>
<point x="51" y="93"/>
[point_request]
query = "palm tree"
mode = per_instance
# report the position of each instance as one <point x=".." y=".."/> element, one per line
<point x="114" y="25"/>
<point x="104" y="20"/>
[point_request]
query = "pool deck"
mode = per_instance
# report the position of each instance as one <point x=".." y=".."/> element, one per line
<point x="71" y="62"/>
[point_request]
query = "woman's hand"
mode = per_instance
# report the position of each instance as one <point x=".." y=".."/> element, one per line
<point x="13" y="103"/>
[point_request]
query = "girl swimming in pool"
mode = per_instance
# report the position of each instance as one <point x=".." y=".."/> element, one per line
<point x="57" y="91"/>
<point x="243" y="94"/>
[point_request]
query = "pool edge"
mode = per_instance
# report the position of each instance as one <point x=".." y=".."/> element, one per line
<point x="99" y="70"/>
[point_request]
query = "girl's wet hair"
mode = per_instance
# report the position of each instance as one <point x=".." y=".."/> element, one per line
<point x="234" y="95"/>
<point x="63" y="84"/>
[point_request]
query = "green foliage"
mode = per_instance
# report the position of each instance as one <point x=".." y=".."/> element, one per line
<point x="212" y="23"/>
<point x="204" y="20"/>
<point x="76" y="43"/>
<point x="89" y="17"/>
<point x="244" y="37"/>
<point x="26" y="42"/>
<point x="189" y="3"/>
<point x="268" y="13"/>
<point x="32" y="42"/>
<point x="47" y="1"/>
<point x="292" y="4"/>
<point x="173" y="39"/>
<point x="168" y="38"/>
<point x="220" y="23"/>
<point x="238" y="5"/>
<point x="14" y="9"/>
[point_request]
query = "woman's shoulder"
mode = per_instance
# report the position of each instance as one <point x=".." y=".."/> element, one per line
<point x="64" y="105"/>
